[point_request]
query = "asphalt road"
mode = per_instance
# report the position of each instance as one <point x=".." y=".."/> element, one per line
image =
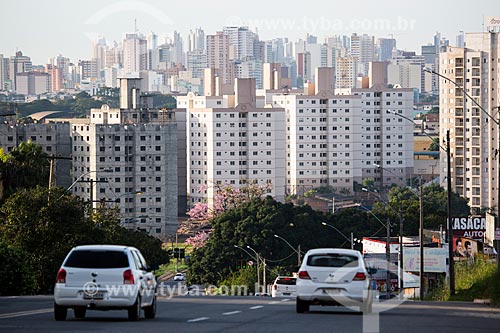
<point x="248" y="314"/>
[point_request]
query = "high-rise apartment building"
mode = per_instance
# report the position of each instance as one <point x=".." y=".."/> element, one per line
<point x="137" y="156"/>
<point x="233" y="140"/>
<point x="346" y="72"/>
<point x="18" y="64"/>
<point x="52" y="137"/>
<point x="218" y="55"/>
<point x="474" y="137"/>
<point x="134" y="54"/>
<point x="339" y="140"/>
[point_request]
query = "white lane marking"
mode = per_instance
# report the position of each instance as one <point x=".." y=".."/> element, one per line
<point x="256" y="307"/>
<point x="230" y="313"/>
<point x="285" y="300"/>
<point x="197" y="319"/>
<point x="24" y="313"/>
<point x="273" y="302"/>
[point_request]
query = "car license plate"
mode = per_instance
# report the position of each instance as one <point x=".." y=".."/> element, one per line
<point x="97" y="295"/>
<point x="332" y="291"/>
<point x="286" y="294"/>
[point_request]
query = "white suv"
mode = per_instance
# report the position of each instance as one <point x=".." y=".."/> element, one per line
<point x="104" y="277"/>
<point x="333" y="277"/>
<point x="284" y="286"/>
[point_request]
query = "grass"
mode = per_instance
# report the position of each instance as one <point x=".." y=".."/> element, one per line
<point x="479" y="279"/>
<point x="474" y="280"/>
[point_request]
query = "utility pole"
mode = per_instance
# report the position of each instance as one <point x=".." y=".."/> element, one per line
<point x="421" y="242"/>
<point x="401" y="269"/>
<point x="388" y="259"/>
<point x="352" y="241"/>
<point x="451" y="263"/>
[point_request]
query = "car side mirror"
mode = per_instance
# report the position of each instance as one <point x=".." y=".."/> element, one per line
<point x="371" y="270"/>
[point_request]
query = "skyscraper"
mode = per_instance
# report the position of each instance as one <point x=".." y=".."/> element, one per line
<point x="218" y="55"/>
<point x="134" y="53"/>
<point x="18" y="64"/>
<point x="196" y="40"/>
<point x="386" y="45"/>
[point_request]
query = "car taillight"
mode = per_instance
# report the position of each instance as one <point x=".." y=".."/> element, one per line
<point x="359" y="276"/>
<point x="304" y="275"/>
<point x="128" y="277"/>
<point x="275" y="287"/>
<point x="61" y="276"/>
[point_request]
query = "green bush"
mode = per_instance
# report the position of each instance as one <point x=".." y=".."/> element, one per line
<point x="17" y="276"/>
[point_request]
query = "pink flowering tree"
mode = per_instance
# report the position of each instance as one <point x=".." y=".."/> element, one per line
<point x="198" y="240"/>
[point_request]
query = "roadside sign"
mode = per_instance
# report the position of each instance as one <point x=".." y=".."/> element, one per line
<point x="497" y="234"/>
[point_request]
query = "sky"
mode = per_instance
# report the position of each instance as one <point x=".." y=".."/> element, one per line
<point x="45" y="28"/>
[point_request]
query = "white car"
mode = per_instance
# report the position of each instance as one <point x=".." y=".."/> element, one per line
<point x="284" y="286"/>
<point x="333" y="277"/>
<point x="179" y="277"/>
<point x="104" y="277"/>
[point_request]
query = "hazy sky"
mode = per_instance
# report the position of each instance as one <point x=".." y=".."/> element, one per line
<point x="45" y="28"/>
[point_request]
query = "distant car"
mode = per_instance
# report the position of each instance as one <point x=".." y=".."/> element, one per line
<point x="179" y="277"/>
<point x="333" y="277"/>
<point x="104" y="277"/>
<point x="284" y="286"/>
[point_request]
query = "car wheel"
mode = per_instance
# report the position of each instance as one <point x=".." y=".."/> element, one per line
<point x="150" y="311"/>
<point x="60" y="312"/>
<point x="302" y="306"/>
<point x="134" y="312"/>
<point x="80" y="312"/>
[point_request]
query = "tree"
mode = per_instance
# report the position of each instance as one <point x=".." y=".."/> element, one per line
<point x="434" y="146"/>
<point x="405" y="202"/>
<point x="47" y="225"/>
<point x="255" y="223"/>
<point x="25" y="167"/>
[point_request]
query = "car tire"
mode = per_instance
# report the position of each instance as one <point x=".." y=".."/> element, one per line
<point x="150" y="311"/>
<point x="80" y="312"/>
<point x="60" y="312"/>
<point x="134" y="312"/>
<point x="302" y="306"/>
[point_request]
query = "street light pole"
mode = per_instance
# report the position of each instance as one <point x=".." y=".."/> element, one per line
<point x="258" y="267"/>
<point x="449" y="212"/>
<point x="299" y="260"/>
<point x="350" y="240"/>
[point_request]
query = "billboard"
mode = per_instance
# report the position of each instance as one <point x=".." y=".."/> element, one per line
<point x="470" y="227"/>
<point x="464" y="248"/>
<point x="434" y="259"/>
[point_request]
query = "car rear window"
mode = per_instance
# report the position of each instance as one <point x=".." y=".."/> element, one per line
<point x="332" y="260"/>
<point x="288" y="281"/>
<point x="97" y="259"/>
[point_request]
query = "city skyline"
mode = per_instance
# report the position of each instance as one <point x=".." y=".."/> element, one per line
<point x="75" y="26"/>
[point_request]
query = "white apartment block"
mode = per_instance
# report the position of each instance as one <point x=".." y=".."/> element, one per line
<point x="337" y="140"/>
<point x="346" y="72"/>
<point x="233" y="140"/>
<point x="53" y="137"/>
<point x="133" y="158"/>
<point x="474" y="137"/>
<point x="134" y="53"/>
<point x="405" y="75"/>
